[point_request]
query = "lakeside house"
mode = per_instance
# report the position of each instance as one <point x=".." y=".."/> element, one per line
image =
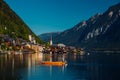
<point x="60" y="48"/>
<point x="8" y="43"/>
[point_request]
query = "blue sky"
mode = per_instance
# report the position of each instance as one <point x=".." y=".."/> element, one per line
<point x="44" y="16"/>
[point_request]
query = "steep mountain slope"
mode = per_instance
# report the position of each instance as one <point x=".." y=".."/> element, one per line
<point x="105" y="32"/>
<point x="101" y="31"/>
<point x="73" y="35"/>
<point x="12" y="24"/>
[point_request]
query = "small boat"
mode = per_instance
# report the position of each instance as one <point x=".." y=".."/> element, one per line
<point x="57" y="63"/>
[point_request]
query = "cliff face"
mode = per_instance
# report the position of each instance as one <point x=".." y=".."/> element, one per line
<point x="12" y="24"/>
<point x="101" y="31"/>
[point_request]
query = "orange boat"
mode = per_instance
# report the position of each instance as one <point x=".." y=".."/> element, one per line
<point x="59" y="63"/>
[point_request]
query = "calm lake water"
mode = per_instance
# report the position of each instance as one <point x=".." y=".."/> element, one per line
<point x="95" y="66"/>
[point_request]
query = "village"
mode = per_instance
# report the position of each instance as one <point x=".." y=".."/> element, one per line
<point x="61" y="49"/>
<point x="18" y="46"/>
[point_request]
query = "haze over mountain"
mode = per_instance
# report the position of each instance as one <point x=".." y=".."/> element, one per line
<point x="47" y="36"/>
<point x="101" y="31"/>
<point x="12" y="25"/>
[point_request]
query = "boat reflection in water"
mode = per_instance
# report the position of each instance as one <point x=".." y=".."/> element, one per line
<point x="60" y="62"/>
<point x="13" y="66"/>
<point x="96" y="66"/>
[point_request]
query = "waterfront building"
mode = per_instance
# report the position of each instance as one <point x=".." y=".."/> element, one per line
<point x="60" y="45"/>
<point x="30" y="38"/>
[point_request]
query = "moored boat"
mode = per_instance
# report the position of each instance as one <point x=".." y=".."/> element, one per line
<point x="59" y="63"/>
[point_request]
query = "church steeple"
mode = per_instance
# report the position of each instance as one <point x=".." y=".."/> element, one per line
<point x="51" y="43"/>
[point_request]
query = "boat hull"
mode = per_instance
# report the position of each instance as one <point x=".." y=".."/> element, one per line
<point x="53" y="63"/>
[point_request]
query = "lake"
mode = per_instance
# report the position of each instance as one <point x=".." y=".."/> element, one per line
<point x="92" y="66"/>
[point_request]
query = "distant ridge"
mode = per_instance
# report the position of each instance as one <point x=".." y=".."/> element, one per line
<point x="46" y="36"/>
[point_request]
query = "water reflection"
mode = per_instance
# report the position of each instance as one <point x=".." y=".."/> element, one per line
<point x="87" y="67"/>
<point x="54" y="57"/>
<point x="10" y="65"/>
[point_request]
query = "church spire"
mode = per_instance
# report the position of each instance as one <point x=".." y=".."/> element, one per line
<point x="51" y="43"/>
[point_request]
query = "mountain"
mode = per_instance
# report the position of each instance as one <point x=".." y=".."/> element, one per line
<point x="100" y="32"/>
<point x="12" y="25"/>
<point x="47" y="36"/>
